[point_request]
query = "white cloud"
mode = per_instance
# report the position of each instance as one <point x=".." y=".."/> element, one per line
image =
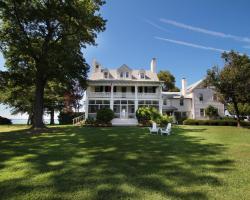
<point x="205" y="31"/>
<point x="156" y="25"/>
<point x="191" y="44"/>
<point x="246" y="47"/>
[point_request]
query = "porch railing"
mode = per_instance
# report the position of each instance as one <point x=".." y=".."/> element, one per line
<point x="78" y="120"/>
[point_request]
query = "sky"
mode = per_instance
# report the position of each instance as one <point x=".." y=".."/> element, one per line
<point x="186" y="37"/>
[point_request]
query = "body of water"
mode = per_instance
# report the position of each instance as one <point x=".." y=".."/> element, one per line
<point x="24" y="121"/>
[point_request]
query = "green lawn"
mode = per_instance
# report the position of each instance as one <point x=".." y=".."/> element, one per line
<point x="196" y="162"/>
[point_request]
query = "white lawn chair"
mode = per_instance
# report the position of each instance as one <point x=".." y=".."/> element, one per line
<point x="167" y="130"/>
<point x="154" y="128"/>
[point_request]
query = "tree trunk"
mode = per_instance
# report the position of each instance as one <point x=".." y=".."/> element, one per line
<point x="39" y="102"/>
<point x="52" y="113"/>
<point x="30" y="120"/>
<point x="237" y="113"/>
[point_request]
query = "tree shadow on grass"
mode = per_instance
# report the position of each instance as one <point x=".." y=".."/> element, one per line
<point x="110" y="163"/>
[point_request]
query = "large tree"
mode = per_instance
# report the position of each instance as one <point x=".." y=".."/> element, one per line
<point x="169" y="81"/>
<point x="43" y="40"/>
<point x="244" y="109"/>
<point x="232" y="82"/>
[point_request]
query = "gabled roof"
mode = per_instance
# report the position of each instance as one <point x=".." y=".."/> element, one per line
<point x="114" y="74"/>
<point x="191" y="87"/>
<point x="124" y="68"/>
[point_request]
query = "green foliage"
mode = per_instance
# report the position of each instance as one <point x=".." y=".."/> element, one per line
<point x="211" y="111"/>
<point x="225" y="122"/>
<point x="244" y="109"/>
<point x="90" y="122"/>
<point x="169" y="81"/>
<point x="104" y="116"/>
<point x="5" y="121"/>
<point x="67" y="117"/>
<point x="145" y="114"/>
<point x="165" y="119"/>
<point x="43" y="40"/>
<point x="233" y="81"/>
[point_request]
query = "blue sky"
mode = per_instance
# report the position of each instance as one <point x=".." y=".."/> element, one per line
<point x="186" y="37"/>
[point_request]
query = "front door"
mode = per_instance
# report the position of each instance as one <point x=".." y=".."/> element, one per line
<point x="124" y="112"/>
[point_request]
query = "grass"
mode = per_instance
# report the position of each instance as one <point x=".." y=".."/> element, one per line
<point x="196" y="162"/>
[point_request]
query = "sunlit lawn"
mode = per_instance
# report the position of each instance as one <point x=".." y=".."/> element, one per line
<point x="195" y="162"/>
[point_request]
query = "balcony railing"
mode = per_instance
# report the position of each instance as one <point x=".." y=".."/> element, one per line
<point x="100" y="94"/>
<point x="148" y="95"/>
<point x="124" y="95"/>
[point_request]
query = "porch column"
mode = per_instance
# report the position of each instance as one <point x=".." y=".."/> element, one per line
<point x="136" y="98"/>
<point x="112" y="97"/>
<point x="86" y="104"/>
<point x="160" y="99"/>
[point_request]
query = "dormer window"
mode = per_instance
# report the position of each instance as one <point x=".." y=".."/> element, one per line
<point x="127" y="74"/>
<point x="121" y="75"/>
<point x="142" y="75"/>
<point x="106" y="74"/>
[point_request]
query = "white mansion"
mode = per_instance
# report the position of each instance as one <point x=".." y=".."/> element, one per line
<point x="124" y="90"/>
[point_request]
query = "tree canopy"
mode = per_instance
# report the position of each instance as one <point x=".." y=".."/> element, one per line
<point x="169" y="81"/>
<point x="44" y="40"/>
<point x="232" y="82"/>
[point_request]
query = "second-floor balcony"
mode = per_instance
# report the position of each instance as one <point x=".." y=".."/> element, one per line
<point x="120" y="95"/>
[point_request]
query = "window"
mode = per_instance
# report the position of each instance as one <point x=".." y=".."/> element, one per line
<point x="165" y="102"/>
<point x="140" y="89"/>
<point x="95" y="105"/>
<point x="142" y="75"/>
<point x="201" y="97"/>
<point x="202" y="113"/>
<point x="121" y="75"/>
<point x="99" y="89"/>
<point x="133" y="89"/>
<point x="106" y="74"/>
<point x="184" y="114"/>
<point x="127" y="74"/>
<point x="107" y="89"/>
<point x="181" y="101"/>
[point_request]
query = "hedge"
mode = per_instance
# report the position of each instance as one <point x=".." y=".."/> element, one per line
<point x="230" y="122"/>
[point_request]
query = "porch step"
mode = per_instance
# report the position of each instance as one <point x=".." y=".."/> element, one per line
<point x="124" y="122"/>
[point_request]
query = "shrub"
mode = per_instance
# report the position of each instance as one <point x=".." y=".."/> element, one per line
<point x="145" y="114"/>
<point x="90" y="122"/>
<point x="67" y="117"/>
<point x="211" y="112"/>
<point x="104" y="116"/>
<point x="5" y="121"/>
<point x="165" y="119"/>
<point x="223" y="122"/>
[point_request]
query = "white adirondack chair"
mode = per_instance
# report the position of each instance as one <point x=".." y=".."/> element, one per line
<point x="167" y="130"/>
<point x="154" y="128"/>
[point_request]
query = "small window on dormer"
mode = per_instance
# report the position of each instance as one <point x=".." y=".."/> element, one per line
<point x="142" y="75"/>
<point x="127" y="74"/>
<point x="106" y="74"/>
<point x="121" y="75"/>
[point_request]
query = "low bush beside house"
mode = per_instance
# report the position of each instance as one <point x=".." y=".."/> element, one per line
<point x="224" y="122"/>
<point x="104" y="117"/>
<point x="5" y="121"/>
<point x="147" y="115"/>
